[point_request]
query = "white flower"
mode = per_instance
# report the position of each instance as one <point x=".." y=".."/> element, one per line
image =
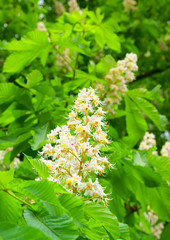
<point x="73" y="151"/>
<point x="129" y="5"/>
<point x="73" y="6"/>
<point x="165" y="151"/>
<point x="117" y="79"/>
<point x="148" y="142"/>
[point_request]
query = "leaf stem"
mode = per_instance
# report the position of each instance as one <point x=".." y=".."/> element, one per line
<point x="21" y="200"/>
<point x="75" y="66"/>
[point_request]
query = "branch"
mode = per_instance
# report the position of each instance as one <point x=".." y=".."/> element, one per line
<point x="148" y="74"/>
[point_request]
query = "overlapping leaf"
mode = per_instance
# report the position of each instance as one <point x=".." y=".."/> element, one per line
<point x="26" y="50"/>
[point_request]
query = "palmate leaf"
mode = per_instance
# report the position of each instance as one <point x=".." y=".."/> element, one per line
<point x="149" y="109"/>
<point x="44" y="190"/>
<point x="159" y="201"/>
<point x="147" y="185"/>
<point x="124" y="231"/>
<point x="153" y="95"/>
<point x="6" y="177"/>
<point x="144" y="171"/>
<point x="162" y="165"/>
<point x="39" y="166"/>
<point x="10" y="208"/>
<point x="92" y="234"/>
<point x="33" y="78"/>
<point x="61" y="228"/>
<point x="8" y="91"/>
<point x="118" y="150"/>
<point x="104" y="217"/>
<point x="21" y="58"/>
<point x="39" y="136"/>
<point x="26" y="50"/>
<point x="105" y="65"/>
<point x="104" y="35"/>
<point x="74" y="205"/>
<point x="95" y="231"/>
<point x="12" y="232"/>
<point x="135" y="122"/>
<point x="166" y="232"/>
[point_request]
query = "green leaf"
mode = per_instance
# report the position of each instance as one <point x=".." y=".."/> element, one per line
<point x="12" y="232"/>
<point x="105" y="217"/>
<point x="10" y="208"/>
<point x="104" y="35"/>
<point x="159" y="201"/>
<point x="26" y="50"/>
<point x="105" y="65"/>
<point x="44" y="190"/>
<point x="56" y="228"/>
<point x="10" y="115"/>
<point x="74" y="205"/>
<point x="119" y="149"/>
<point x="95" y="230"/>
<point x="8" y="91"/>
<point x="40" y="167"/>
<point x="39" y="137"/>
<point x="162" y="165"/>
<point x="91" y="66"/>
<point x="100" y="38"/>
<point x="6" y="177"/>
<point x="22" y="59"/>
<point x="135" y="123"/>
<point x="124" y="231"/>
<point x="78" y="44"/>
<point x="34" y="78"/>
<point x="139" y="158"/>
<point x="55" y="210"/>
<point x="166" y="232"/>
<point x="92" y="234"/>
<point x="45" y="89"/>
<point x="149" y="109"/>
<point x="148" y="176"/>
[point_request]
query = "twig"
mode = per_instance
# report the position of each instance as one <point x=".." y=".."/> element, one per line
<point x="148" y="74"/>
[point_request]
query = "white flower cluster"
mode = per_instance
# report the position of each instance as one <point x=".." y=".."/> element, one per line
<point x="15" y="162"/>
<point x="73" y="6"/>
<point x="165" y="151"/>
<point x="63" y="61"/>
<point x="148" y="142"/>
<point x="118" y="77"/>
<point x="156" y="229"/>
<point x="162" y="45"/>
<point x="41" y="27"/>
<point x="60" y="9"/>
<point x="129" y="5"/>
<point x="73" y="152"/>
<point x="100" y="89"/>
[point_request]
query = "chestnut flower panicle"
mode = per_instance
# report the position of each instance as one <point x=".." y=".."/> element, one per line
<point x="73" y="152"/>
<point x="73" y="6"/>
<point x="148" y="142"/>
<point x="60" y="9"/>
<point x="165" y="151"/>
<point x="117" y="79"/>
<point x="129" y="5"/>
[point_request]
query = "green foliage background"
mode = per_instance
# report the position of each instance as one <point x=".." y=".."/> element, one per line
<point x="35" y="95"/>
